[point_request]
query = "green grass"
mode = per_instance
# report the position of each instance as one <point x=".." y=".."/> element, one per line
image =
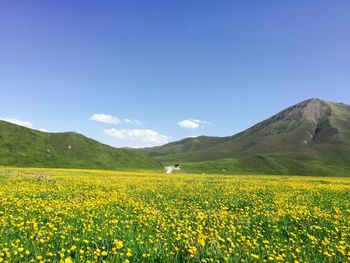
<point x="269" y="166"/>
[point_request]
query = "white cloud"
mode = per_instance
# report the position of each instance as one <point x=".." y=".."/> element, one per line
<point x="141" y="135"/>
<point x="105" y="118"/>
<point x="188" y="124"/>
<point x="134" y="121"/>
<point x="192" y="124"/>
<point x="126" y="120"/>
<point x="192" y="136"/>
<point x="18" y="122"/>
<point x="44" y="130"/>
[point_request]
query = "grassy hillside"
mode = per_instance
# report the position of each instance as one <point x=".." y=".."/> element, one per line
<point x="311" y="137"/>
<point x="20" y="146"/>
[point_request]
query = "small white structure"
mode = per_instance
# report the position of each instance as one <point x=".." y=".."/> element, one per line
<point x="171" y="168"/>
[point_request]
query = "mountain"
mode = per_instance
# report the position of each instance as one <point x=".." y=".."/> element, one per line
<point x="21" y="146"/>
<point x="311" y="137"/>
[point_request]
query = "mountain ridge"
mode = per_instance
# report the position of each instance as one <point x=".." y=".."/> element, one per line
<point x="311" y="131"/>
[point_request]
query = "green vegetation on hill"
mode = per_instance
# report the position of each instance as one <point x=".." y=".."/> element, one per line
<point x="311" y="137"/>
<point x="20" y="146"/>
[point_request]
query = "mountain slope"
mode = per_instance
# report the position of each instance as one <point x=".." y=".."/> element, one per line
<point x="20" y="146"/>
<point x="310" y="137"/>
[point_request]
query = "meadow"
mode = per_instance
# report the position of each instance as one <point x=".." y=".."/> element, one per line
<point x="64" y="215"/>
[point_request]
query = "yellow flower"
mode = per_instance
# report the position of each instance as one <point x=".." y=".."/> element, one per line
<point x="119" y="244"/>
<point x="192" y="250"/>
<point x="201" y="242"/>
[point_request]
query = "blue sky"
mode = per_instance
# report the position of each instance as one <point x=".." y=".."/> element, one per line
<point x="166" y="65"/>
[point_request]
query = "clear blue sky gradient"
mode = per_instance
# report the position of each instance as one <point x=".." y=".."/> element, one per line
<point x="231" y="63"/>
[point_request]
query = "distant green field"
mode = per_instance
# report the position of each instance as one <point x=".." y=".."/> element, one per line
<point x="71" y="215"/>
<point x="269" y="166"/>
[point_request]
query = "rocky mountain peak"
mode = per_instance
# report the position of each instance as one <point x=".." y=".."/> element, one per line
<point x="311" y="110"/>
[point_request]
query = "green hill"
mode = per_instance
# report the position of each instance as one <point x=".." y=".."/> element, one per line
<point x="311" y="137"/>
<point x="20" y="146"/>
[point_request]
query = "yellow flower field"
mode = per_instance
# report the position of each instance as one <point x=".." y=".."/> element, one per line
<point x="62" y="215"/>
